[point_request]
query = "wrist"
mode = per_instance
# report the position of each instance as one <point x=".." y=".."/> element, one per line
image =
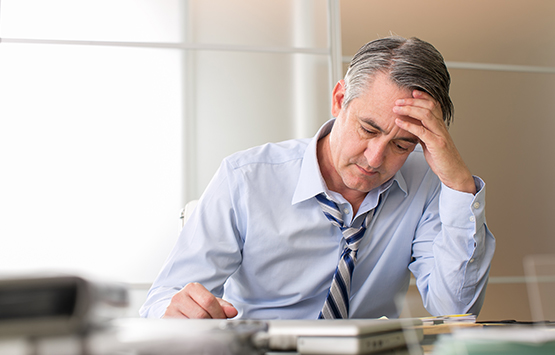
<point x="467" y="184"/>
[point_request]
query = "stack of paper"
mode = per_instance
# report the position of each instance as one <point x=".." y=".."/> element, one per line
<point x="507" y="340"/>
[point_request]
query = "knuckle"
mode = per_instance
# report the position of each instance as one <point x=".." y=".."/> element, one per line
<point x="205" y="300"/>
<point x="198" y="313"/>
<point x="175" y="298"/>
<point x="191" y="287"/>
<point x="171" y="312"/>
<point x="178" y="297"/>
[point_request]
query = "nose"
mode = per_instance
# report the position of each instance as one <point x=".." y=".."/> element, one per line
<point x="375" y="153"/>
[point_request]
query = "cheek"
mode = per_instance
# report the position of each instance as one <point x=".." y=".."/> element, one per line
<point x="347" y="145"/>
<point x="353" y="151"/>
<point x="396" y="162"/>
<point x="342" y="146"/>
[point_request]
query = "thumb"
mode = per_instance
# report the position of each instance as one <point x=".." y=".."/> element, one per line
<point x="228" y="308"/>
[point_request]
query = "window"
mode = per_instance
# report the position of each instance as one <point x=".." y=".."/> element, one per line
<point x="90" y="136"/>
<point x="115" y="113"/>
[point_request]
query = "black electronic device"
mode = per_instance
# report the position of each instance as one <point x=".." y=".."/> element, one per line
<point x="57" y="305"/>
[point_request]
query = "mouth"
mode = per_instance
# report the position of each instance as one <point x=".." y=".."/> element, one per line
<point x="367" y="172"/>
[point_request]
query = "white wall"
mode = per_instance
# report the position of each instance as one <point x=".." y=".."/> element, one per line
<point x="265" y="79"/>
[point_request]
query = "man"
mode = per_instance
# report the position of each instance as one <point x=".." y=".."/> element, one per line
<point x="262" y="243"/>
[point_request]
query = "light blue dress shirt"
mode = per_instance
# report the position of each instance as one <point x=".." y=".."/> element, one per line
<point x="259" y="239"/>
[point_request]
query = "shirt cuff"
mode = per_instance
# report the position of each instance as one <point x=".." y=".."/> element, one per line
<point x="461" y="209"/>
<point x="156" y="309"/>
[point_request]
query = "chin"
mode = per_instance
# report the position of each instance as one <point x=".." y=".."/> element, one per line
<point x="361" y="186"/>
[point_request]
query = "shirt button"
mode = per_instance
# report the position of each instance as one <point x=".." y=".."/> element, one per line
<point x="476" y="205"/>
<point x="346" y="211"/>
<point x="471" y="261"/>
<point x="472" y="219"/>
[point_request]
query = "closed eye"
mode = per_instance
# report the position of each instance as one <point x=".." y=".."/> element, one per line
<point x="367" y="131"/>
<point x="404" y="147"/>
<point x="400" y="147"/>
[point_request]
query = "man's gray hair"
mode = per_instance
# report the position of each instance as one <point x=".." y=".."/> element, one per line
<point x="410" y="63"/>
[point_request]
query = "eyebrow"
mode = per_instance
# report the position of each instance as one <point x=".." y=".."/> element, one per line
<point x="371" y="122"/>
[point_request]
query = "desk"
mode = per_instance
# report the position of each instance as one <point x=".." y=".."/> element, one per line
<point x="166" y="337"/>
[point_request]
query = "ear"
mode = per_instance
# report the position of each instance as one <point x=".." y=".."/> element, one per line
<point x="338" y="94"/>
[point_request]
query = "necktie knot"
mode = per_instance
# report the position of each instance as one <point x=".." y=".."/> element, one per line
<point x="352" y="235"/>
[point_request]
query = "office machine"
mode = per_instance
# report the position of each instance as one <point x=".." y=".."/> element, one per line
<point x="57" y="304"/>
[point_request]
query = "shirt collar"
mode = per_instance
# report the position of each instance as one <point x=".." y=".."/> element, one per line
<point x="311" y="182"/>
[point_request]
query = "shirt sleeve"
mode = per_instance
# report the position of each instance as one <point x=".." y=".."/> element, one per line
<point x="452" y="252"/>
<point x="207" y="251"/>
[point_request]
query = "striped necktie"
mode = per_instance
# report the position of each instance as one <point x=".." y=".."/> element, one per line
<point x="337" y="302"/>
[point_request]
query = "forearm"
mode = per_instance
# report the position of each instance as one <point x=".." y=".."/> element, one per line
<point x="457" y="282"/>
<point x="453" y="276"/>
<point x="206" y="252"/>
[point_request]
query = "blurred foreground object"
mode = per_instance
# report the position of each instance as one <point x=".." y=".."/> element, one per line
<point x="57" y="305"/>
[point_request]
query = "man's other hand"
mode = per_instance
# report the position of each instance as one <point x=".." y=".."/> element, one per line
<point x="195" y="301"/>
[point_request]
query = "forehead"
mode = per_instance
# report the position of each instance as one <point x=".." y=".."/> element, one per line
<point x="375" y="105"/>
<point x="380" y="90"/>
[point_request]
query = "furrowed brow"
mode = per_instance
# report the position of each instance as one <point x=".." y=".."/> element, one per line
<point x="370" y="122"/>
<point x="409" y="140"/>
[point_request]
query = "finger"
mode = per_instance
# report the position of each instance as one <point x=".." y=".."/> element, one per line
<point x="422" y="103"/>
<point x="419" y="94"/>
<point x="206" y="301"/>
<point x="182" y="306"/>
<point x="414" y="127"/>
<point x="423" y="100"/>
<point x="428" y="115"/>
<point x="420" y="117"/>
<point x="173" y="312"/>
<point x="420" y="98"/>
<point x="415" y="112"/>
<point x="194" y="301"/>
<point x="228" y="308"/>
